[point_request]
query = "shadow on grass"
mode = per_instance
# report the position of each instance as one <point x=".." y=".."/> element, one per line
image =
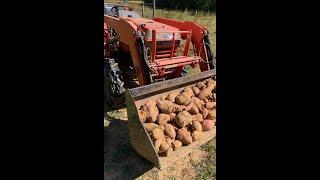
<point x="121" y="160"/>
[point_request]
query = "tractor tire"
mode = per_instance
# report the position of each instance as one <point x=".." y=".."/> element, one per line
<point x="113" y="85"/>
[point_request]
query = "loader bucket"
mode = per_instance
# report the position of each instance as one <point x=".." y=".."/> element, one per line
<point x="139" y="137"/>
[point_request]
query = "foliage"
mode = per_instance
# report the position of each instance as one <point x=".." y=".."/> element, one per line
<point x="203" y="5"/>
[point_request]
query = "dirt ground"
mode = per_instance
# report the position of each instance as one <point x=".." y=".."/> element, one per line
<point x="122" y="162"/>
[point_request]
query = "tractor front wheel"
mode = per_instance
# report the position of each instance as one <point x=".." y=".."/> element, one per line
<point x="114" y="85"/>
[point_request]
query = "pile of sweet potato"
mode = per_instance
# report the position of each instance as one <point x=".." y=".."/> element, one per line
<point x="181" y="117"/>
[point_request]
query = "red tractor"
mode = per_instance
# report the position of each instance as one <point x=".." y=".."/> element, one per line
<point x="140" y="51"/>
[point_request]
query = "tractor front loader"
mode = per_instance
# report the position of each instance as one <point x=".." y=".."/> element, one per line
<point x="147" y="57"/>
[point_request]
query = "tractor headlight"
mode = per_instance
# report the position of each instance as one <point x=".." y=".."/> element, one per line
<point x="163" y="36"/>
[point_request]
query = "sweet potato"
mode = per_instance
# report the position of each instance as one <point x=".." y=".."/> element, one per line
<point x="194" y="110"/>
<point x="184" y="136"/>
<point x="166" y="106"/>
<point x="183" y="118"/>
<point x="208" y="125"/>
<point x="176" y="144"/>
<point x="172" y="116"/>
<point x="198" y="117"/>
<point x="195" y="90"/>
<point x="197" y="135"/>
<point x="200" y="85"/>
<point x="169" y="131"/>
<point x="179" y="108"/>
<point x="205" y="100"/>
<point x="195" y="105"/>
<point x="168" y="140"/>
<point x="197" y="102"/>
<point x="196" y="126"/>
<point x="157" y="144"/>
<point x="150" y="102"/>
<point x="204" y="94"/>
<point x="210" y="105"/>
<point x="183" y="99"/>
<point x="157" y="134"/>
<point x="188" y="91"/>
<point x="172" y="96"/>
<point x="152" y="113"/>
<point x="210" y="81"/>
<point x="163" y="118"/>
<point x="164" y="146"/>
<point x="142" y="115"/>
<point x="168" y="152"/>
<point x="205" y="113"/>
<point x="211" y="87"/>
<point x="150" y="126"/>
<point x="162" y="127"/>
<point x="211" y="114"/>
<point x="189" y="106"/>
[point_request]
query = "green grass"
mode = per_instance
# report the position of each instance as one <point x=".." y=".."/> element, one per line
<point x="207" y="168"/>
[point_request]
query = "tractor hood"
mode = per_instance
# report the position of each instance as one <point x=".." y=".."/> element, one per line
<point x="165" y="32"/>
<point x="150" y="24"/>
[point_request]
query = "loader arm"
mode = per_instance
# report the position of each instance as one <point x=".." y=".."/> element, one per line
<point x="198" y="37"/>
<point x="127" y="33"/>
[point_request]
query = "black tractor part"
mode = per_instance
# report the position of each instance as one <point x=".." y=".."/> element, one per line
<point x="114" y="84"/>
